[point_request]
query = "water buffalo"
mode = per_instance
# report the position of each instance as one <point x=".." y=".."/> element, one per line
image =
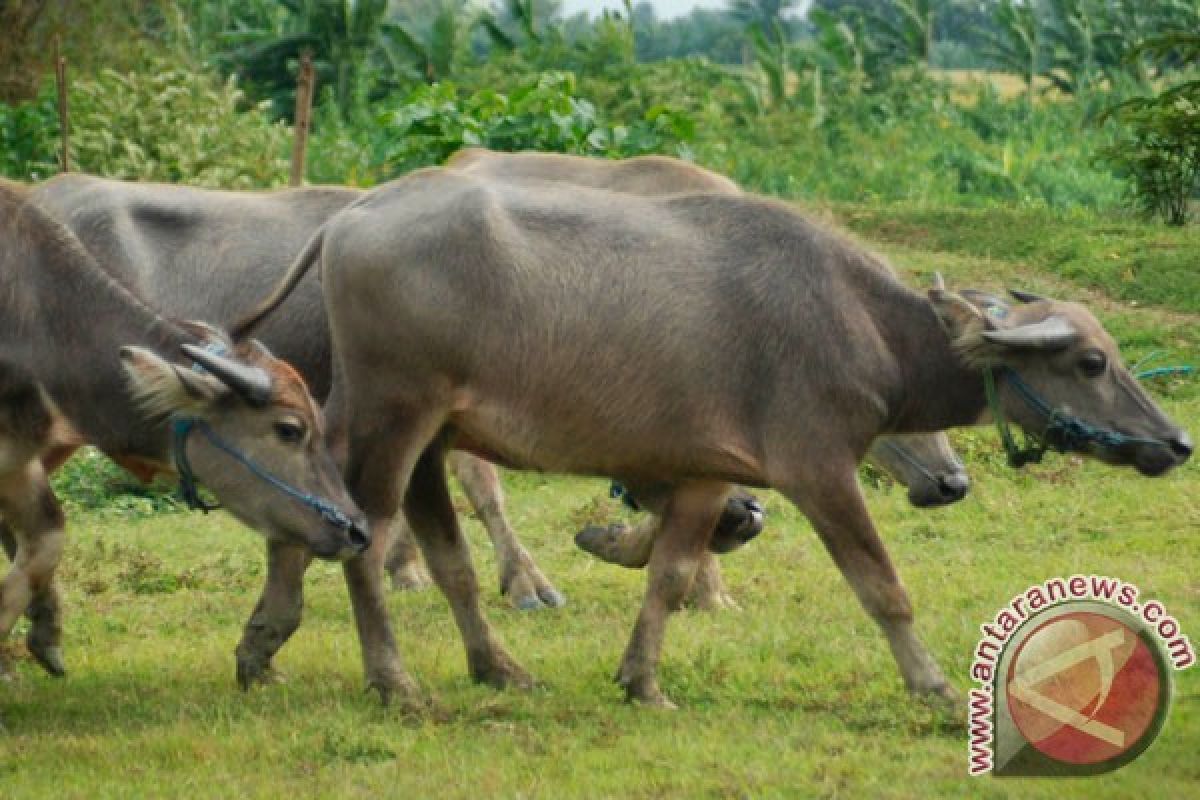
<point x="499" y="317"/>
<point x="71" y="339"/>
<point x="925" y="463"/>
<point x="198" y="253"/>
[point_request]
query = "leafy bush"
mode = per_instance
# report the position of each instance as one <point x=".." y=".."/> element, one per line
<point x="29" y="138"/>
<point x="90" y="482"/>
<point x="1160" y="152"/>
<point x="174" y="123"/>
<point x="544" y="114"/>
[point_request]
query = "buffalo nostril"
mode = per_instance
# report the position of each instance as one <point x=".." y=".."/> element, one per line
<point x="754" y="507"/>
<point x="954" y="485"/>
<point x="1181" y="445"/>
<point x="359" y="538"/>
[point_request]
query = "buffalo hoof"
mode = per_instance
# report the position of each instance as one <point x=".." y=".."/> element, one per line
<point x="719" y="600"/>
<point x="397" y="687"/>
<point x="410" y="577"/>
<point x="645" y="692"/>
<point x="946" y="702"/>
<point x="528" y="589"/>
<point x="49" y="657"/>
<point x="499" y="671"/>
<point x="253" y="672"/>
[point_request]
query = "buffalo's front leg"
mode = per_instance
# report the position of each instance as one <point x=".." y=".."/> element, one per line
<point x="687" y="524"/>
<point x="520" y="579"/>
<point x="833" y="502"/>
<point x="44" y="639"/>
<point x="37" y="522"/>
<point x="276" y="615"/>
<point x="429" y="510"/>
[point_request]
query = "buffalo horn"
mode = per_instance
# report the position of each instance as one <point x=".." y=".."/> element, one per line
<point x="253" y="384"/>
<point x="1026" y="297"/>
<point x="1051" y="333"/>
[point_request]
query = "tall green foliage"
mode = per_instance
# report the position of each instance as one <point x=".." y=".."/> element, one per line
<point x="352" y="49"/>
<point x="545" y="114"/>
<point x="174" y="123"/>
<point x="1160" y="146"/>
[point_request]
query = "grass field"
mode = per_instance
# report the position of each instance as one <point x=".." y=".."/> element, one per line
<point x="795" y="695"/>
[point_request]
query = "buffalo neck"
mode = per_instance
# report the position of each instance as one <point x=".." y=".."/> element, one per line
<point x="937" y="390"/>
<point x="65" y="321"/>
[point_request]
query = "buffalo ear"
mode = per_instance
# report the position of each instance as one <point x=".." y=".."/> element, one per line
<point x="162" y="388"/>
<point x="958" y="315"/>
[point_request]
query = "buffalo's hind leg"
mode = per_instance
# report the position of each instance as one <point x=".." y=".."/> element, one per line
<point x="431" y="514"/>
<point x="833" y="502"/>
<point x="520" y="579"/>
<point x="688" y="521"/>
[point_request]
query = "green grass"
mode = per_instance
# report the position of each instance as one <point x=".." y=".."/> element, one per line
<point x="1133" y="261"/>
<point x="795" y="695"/>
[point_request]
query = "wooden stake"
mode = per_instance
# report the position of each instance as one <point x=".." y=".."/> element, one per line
<point x="305" y="84"/>
<point x="64" y="120"/>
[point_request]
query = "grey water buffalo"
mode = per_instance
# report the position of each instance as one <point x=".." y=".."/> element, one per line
<point x="198" y="253"/>
<point x="925" y="463"/>
<point x="498" y="317"/>
<point x="83" y="360"/>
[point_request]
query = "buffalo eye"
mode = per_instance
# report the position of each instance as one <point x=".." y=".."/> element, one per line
<point x="290" y="431"/>
<point x="1093" y="364"/>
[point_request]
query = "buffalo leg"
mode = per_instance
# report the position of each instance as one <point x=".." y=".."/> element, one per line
<point x="520" y="579"/>
<point x="37" y="522"/>
<point x="708" y="592"/>
<point x="631" y="547"/>
<point x="430" y="511"/>
<point x="45" y="615"/>
<point x="404" y="559"/>
<point x="688" y="522"/>
<point x="276" y="615"/>
<point x="381" y="455"/>
<point x="833" y="502"/>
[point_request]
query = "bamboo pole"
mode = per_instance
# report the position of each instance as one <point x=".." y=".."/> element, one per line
<point x="305" y="83"/>
<point x="64" y="120"/>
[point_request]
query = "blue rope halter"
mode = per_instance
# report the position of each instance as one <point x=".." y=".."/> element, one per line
<point x="182" y="427"/>
<point x="1064" y="433"/>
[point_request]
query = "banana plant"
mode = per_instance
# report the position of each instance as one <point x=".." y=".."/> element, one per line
<point x="906" y="33"/>
<point x="1015" y="44"/>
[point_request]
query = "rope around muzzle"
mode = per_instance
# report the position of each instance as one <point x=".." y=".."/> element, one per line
<point x="914" y="462"/>
<point x="182" y="428"/>
<point x="1064" y="433"/>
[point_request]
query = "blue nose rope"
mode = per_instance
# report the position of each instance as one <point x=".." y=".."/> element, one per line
<point x="1064" y="433"/>
<point x="618" y="490"/>
<point x="182" y="427"/>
